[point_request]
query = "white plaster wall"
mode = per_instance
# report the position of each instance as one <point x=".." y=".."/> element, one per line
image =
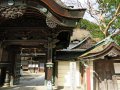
<point x="64" y="74"/>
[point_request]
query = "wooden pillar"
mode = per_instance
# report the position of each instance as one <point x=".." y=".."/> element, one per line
<point x="0" y="76"/>
<point x="49" y="65"/>
<point x="15" y="61"/>
<point x="0" y="67"/>
<point x="17" y="67"/>
<point x="39" y="69"/>
<point x="56" y="74"/>
<point x="3" y="55"/>
<point x="1" y="51"/>
<point x="7" y="78"/>
<point x="49" y="60"/>
<point x="5" y="68"/>
<point x="88" y="78"/>
<point x="12" y="61"/>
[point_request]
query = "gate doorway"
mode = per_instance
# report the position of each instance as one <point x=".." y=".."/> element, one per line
<point x="23" y="70"/>
<point x="32" y="72"/>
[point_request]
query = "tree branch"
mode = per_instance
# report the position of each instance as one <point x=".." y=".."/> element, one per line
<point x="103" y="26"/>
<point x="118" y="32"/>
<point x="93" y="14"/>
<point x="112" y="20"/>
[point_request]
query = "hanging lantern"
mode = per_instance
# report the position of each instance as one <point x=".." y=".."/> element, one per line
<point x="10" y="2"/>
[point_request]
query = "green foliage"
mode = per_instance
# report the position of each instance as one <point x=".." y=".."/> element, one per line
<point x="94" y="30"/>
<point x="108" y="5"/>
<point x="117" y="23"/>
<point x="108" y="8"/>
<point x="117" y="39"/>
<point x="92" y="27"/>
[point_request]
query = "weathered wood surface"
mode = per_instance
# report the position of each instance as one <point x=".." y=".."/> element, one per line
<point x="105" y="71"/>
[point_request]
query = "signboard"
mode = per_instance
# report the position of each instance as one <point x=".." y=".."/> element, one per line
<point x="117" y="68"/>
<point x="73" y="75"/>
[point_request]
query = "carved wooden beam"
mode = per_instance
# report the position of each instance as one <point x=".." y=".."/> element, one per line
<point x="23" y="42"/>
<point x="3" y="64"/>
<point x="55" y="13"/>
<point x="12" y="12"/>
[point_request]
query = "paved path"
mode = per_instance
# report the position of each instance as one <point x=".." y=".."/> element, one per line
<point x="29" y="81"/>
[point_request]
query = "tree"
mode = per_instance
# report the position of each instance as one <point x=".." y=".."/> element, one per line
<point x="108" y="13"/>
<point x="107" y="16"/>
<point x="92" y="27"/>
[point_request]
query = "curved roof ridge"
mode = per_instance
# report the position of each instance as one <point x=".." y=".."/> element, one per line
<point x="103" y="52"/>
<point x="64" y="12"/>
<point x="61" y="4"/>
<point x="78" y="44"/>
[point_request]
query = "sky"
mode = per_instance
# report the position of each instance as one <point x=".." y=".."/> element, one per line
<point x="81" y="4"/>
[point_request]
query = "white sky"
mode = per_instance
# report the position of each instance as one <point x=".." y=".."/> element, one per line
<point x="83" y="4"/>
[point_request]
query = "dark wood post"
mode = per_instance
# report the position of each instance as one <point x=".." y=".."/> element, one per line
<point x="0" y="67"/>
<point x="4" y="61"/>
<point x="49" y="64"/>
<point x="56" y="74"/>
<point x="49" y="61"/>
<point x="3" y="72"/>
<point x="39" y="69"/>
<point x="1" y="51"/>
<point x="11" y="56"/>
<point x="4" y="76"/>
<point x="3" y="54"/>
<point x="0" y="76"/>
<point x="7" y="78"/>
<point x="15" y="63"/>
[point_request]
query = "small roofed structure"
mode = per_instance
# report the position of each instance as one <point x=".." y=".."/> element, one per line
<point x="110" y="50"/>
<point x="75" y="49"/>
<point x="102" y="67"/>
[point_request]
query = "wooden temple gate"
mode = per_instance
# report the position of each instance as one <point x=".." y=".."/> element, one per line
<point x="41" y="24"/>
